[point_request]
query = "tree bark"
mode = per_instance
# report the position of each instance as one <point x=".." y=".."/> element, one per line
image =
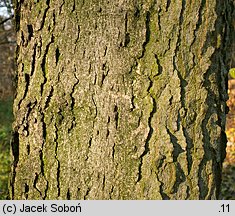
<point x="120" y="99"/>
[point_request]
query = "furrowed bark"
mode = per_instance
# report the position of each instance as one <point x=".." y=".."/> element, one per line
<point x="120" y="100"/>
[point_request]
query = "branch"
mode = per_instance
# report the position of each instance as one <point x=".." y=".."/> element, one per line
<point x="2" y="22"/>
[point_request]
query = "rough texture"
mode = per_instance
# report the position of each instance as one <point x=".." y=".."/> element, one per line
<point x="120" y="99"/>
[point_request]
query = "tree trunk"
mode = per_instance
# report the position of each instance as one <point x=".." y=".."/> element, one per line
<point x="120" y="99"/>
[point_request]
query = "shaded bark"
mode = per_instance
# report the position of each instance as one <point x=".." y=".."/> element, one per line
<point x="120" y="99"/>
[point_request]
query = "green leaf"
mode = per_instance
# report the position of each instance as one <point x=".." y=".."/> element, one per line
<point x="232" y="72"/>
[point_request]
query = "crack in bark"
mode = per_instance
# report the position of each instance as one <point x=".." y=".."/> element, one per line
<point x="48" y="98"/>
<point x="113" y="151"/>
<point x="26" y="78"/>
<point x="57" y="55"/>
<point x="111" y="191"/>
<point x="35" y="183"/>
<point x="30" y="32"/>
<point x="60" y="7"/>
<point x="73" y="124"/>
<point x="116" y="116"/>
<point x="26" y="190"/>
<point x="43" y="64"/>
<point x="189" y="147"/>
<point x="58" y="162"/>
<point x="168" y="3"/>
<point x="150" y="133"/>
<point x="159" y="19"/>
<point x="44" y="15"/>
<point x="177" y="150"/>
<point x="72" y="92"/>
<point x="163" y="194"/>
<point x="147" y="34"/>
<point x="87" y="193"/>
<point x="33" y="59"/>
<point x="180" y="178"/>
<point x="160" y="69"/>
<point x="199" y="22"/>
<point x="46" y="190"/>
<point x="41" y="150"/>
<point x="68" y="195"/>
<point x="15" y="152"/>
<point x="78" y="35"/>
<point x="41" y="159"/>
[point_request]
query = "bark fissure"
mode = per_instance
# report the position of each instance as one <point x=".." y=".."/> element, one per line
<point x="57" y="160"/>
<point x="48" y="98"/>
<point x="35" y="184"/>
<point x="199" y="22"/>
<point x="150" y="133"/>
<point x="43" y="64"/>
<point x="33" y="59"/>
<point x="177" y="149"/>
<point x="44" y="15"/>
<point x="147" y="33"/>
<point x="15" y="152"/>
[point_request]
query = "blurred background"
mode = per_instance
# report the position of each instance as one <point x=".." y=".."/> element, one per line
<point x="7" y="69"/>
<point x="7" y="72"/>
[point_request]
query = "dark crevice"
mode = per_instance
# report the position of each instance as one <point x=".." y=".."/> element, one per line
<point x="35" y="183"/>
<point x="44" y="15"/>
<point x="177" y="150"/>
<point x="180" y="176"/>
<point x="163" y="194"/>
<point x="27" y="79"/>
<point x="113" y="150"/>
<point x="78" y="34"/>
<point x="42" y="162"/>
<point x="43" y="64"/>
<point x="90" y="142"/>
<point x="48" y="98"/>
<point x="159" y="18"/>
<point x="189" y="148"/>
<point x="168" y="5"/>
<point x="15" y="152"/>
<point x="58" y="162"/>
<point x="41" y="150"/>
<point x="28" y="149"/>
<point x="127" y="35"/>
<point x="46" y="190"/>
<point x="160" y="69"/>
<point x="74" y="6"/>
<point x="61" y="6"/>
<point x="188" y="193"/>
<point x="73" y="90"/>
<point x="150" y="133"/>
<point x="111" y="191"/>
<point x="30" y="32"/>
<point x="33" y="59"/>
<point x="87" y="193"/>
<point x="116" y="116"/>
<point x="103" y="183"/>
<point x="57" y="55"/>
<point x="147" y="35"/>
<point x="203" y="187"/>
<point x="132" y="103"/>
<point x="17" y="15"/>
<point x="68" y="195"/>
<point x="26" y="190"/>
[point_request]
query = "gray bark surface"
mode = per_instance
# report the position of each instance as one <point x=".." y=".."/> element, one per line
<point x="121" y="99"/>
